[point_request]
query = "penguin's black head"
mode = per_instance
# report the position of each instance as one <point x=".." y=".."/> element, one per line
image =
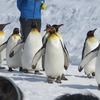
<point x="16" y="31"/>
<point x="34" y="25"/>
<point x="91" y="33"/>
<point x="2" y="26"/>
<point x="48" y="26"/>
<point x="57" y="26"/>
<point x="51" y="30"/>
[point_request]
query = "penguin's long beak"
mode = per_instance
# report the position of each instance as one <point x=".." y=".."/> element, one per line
<point x="94" y="29"/>
<point x="3" y="25"/>
<point x="59" y="25"/>
<point x="6" y="24"/>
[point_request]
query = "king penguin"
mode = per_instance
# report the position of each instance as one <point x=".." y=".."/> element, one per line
<point x="32" y="44"/>
<point x="91" y="55"/>
<point x="60" y="36"/>
<point x="55" y="57"/>
<point x="91" y="43"/>
<point x="2" y="40"/>
<point x="15" y="61"/>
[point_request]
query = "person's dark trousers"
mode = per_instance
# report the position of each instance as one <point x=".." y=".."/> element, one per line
<point x="26" y="26"/>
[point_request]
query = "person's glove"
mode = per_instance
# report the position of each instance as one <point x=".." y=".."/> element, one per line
<point x="43" y="7"/>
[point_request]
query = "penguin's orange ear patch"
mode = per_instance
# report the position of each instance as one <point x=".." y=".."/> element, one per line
<point x="1" y="32"/>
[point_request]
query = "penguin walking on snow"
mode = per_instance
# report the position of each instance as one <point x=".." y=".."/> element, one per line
<point x="56" y="32"/>
<point x="91" y="43"/>
<point x="15" y="61"/>
<point x="91" y="55"/>
<point x="55" y="57"/>
<point x="2" y="40"/>
<point x="67" y="60"/>
<point x="32" y="44"/>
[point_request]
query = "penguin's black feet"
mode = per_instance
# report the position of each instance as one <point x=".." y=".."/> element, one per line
<point x="50" y="79"/>
<point x="93" y="74"/>
<point x="25" y="70"/>
<point x="37" y="72"/>
<point x="98" y="86"/>
<point x="20" y="69"/>
<point x="10" y="69"/>
<point x="58" y="80"/>
<point x="89" y="76"/>
<point x="63" y="77"/>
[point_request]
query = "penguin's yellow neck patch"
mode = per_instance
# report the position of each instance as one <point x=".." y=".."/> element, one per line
<point x="53" y="36"/>
<point x="35" y="31"/>
<point x="1" y="32"/>
<point x="16" y="35"/>
<point x="92" y="39"/>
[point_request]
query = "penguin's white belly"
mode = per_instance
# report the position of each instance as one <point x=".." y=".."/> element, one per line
<point x="90" y="67"/>
<point x="2" y="39"/>
<point x="32" y="45"/>
<point x="97" y="72"/>
<point x="90" y="46"/>
<point x="15" y="61"/>
<point x="54" y="60"/>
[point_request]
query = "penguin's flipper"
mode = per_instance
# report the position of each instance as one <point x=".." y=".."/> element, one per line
<point x="18" y="47"/>
<point x="88" y="58"/>
<point x="37" y="56"/>
<point x="43" y="38"/>
<point x="83" y="49"/>
<point x="3" y="46"/>
<point x="66" y="57"/>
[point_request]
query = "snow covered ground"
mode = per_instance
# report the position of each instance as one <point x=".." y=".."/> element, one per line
<point x="78" y="17"/>
<point x="35" y="87"/>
